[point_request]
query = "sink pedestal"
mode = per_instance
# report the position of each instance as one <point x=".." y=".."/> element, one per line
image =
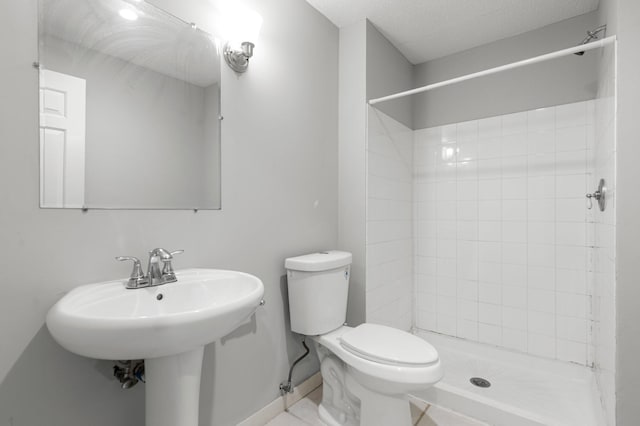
<point x="173" y="389"/>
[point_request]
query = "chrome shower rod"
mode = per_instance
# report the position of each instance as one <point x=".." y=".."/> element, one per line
<point x="548" y="56"/>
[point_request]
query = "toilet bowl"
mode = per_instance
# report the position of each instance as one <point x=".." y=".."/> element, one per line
<point x="379" y="366"/>
<point x="369" y="370"/>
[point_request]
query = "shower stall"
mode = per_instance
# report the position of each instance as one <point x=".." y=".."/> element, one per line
<point x="481" y="239"/>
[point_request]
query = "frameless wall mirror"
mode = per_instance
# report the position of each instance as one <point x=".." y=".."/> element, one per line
<point x="129" y="108"/>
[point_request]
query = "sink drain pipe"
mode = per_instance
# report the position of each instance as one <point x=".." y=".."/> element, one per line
<point x="286" y="387"/>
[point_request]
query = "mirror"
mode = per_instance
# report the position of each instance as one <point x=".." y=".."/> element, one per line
<point x="129" y="108"/>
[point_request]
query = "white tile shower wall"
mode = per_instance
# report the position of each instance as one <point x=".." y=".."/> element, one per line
<point x="501" y="230"/>
<point x="602" y="277"/>
<point x="389" y="270"/>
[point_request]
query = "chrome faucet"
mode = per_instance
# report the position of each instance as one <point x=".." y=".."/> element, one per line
<point x="154" y="276"/>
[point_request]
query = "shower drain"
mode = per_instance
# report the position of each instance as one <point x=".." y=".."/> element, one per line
<point x="480" y="382"/>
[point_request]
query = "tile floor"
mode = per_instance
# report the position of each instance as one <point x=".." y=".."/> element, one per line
<point x="305" y="413"/>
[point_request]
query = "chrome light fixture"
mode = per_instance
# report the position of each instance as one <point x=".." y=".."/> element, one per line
<point x="238" y="59"/>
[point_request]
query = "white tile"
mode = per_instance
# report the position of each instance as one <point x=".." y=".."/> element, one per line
<point x="514" y="210"/>
<point x="514" y="123"/>
<point x="489" y="210"/>
<point x="427" y="320"/>
<point x="571" y="281"/>
<point x="542" y="345"/>
<point x="467" y="329"/>
<point x="514" y="253"/>
<point x="489" y="128"/>
<point x="448" y="133"/>
<point x="541" y="277"/>
<point x="467" y="310"/>
<point x="571" y="305"/>
<point x="490" y="272"/>
<point x="574" y="114"/>
<point x="541" y="255"/>
<point x="542" y="210"/>
<point x="541" y="187"/>
<point x="446" y="324"/>
<point x="571" y="351"/>
<point x="447" y="248"/>
<point x="541" y="323"/>
<point x="541" y="119"/>
<point x="571" y="186"/>
<point x="490" y="231"/>
<point x="515" y="297"/>
<point x="467" y="190"/>
<point x="514" y="145"/>
<point x="446" y="191"/>
<point x="490" y="168"/>
<point x="541" y="232"/>
<point x="572" y="162"/>
<point x="541" y="164"/>
<point x="571" y="210"/>
<point x="541" y="142"/>
<point x="490" y="189"/>
<point x="467" y="210"/>
<point x="467" y="170"/>
<point x="514" y="231"/>
<point x="447" y="230"/>
<point x="446" y="267"/>
<point x="490" y="334"/>
<point x="467" y="290"/>
<point x="514" y="275"/>
<point x="490" y="293"/>
<point x="540" y="300"/>
<point x="467" y="130"/>
<point x="514" y="318"/>
<point x="514" y="167"/>
<point x="514" y="188"/>
<point x="467" y="150"/>
<point x="490" y="251"/>
<point x="446" y="286"/>
<point x="467" y="230"/>
<point x="573" y="329"/>
<point x="489" y="314"/>
<point x="514" y="339"/>
<point x="571" y="257"/>
<point x="571" y="139"/>
<point x="490" y="148"/>
<point x="446" y="305"/>
<point x="446" y="210"/>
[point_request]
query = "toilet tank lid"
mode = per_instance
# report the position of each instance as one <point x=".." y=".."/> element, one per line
<point x="321" y="261"/>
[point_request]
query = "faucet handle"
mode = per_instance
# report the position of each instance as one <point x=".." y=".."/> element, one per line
<point x="167" y="269"/>
<point x="137" y="276"/>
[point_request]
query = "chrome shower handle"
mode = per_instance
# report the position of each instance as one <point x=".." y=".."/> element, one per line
<point x="599" y="195"/>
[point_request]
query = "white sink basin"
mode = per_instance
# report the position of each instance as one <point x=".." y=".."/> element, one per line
<point x="167" y="326"/>
<point x="108" y="321"/>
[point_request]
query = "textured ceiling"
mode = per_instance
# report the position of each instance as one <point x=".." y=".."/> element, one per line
<point x="427" y="29"/>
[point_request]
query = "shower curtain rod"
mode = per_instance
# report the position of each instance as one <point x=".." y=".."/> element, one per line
<point x="530" y="61"/>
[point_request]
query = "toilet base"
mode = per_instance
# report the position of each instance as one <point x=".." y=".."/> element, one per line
<point x="346" y="402"/>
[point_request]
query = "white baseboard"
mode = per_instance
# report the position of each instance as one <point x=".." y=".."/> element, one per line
<point x="271" y="410"/>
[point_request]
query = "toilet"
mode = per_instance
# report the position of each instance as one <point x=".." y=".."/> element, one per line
<point x="368" y="371"/>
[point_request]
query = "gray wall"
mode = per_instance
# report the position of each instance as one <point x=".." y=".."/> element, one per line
<point x="388" y="72"/>
<point x="279" y="173"/>
<point x="561" y="81"/>
<point x="622" y="17"/>
<point x="351" y="161"/>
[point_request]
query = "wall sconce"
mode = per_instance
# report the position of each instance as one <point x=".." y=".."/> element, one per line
<point x="238" y="59"/>
<point x="241" y="30"/>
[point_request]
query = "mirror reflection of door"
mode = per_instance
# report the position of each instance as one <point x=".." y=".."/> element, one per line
<point x="62" y="139"/>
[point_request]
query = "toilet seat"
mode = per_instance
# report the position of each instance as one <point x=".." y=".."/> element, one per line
<point x="395" y="375"/>
<point x="388" y="345"/>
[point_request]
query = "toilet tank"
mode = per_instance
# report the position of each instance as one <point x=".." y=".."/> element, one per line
<point x="318" y="288"/>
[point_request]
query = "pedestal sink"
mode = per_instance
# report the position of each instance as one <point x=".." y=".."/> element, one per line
<point x="167" y="326"/>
